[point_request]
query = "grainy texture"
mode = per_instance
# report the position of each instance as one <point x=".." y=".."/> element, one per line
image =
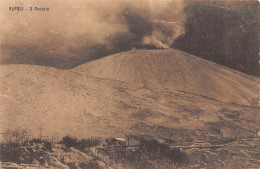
<point x="135" y="84"/>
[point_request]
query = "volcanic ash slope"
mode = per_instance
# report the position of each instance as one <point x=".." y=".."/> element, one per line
<point x="176" y="70"/>
<point x="128" y="95"/>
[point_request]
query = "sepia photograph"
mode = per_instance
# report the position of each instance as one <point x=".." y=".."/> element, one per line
<point x="129" y="84"/>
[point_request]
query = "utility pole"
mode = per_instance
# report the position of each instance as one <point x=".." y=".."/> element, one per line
<point x="128" y="138"/>
<point x="40" y="136"/>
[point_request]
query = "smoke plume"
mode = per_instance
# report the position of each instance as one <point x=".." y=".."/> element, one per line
<point x="74" y="32"/>
<point x="225" y="32"/>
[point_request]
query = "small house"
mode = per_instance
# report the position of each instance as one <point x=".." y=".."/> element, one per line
<point x="115" y="141"/>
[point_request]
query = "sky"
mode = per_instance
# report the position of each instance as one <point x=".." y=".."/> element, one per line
<point x="74" y="32"/>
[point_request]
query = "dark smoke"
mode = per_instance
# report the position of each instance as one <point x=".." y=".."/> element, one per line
<point x="51" y="52"/>
<point x="139" y="27"/>
<point x="223" y="32"/>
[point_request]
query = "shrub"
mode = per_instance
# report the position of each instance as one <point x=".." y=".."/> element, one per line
<point x="86" y="143"/>
<point x="91" y="164"/>
<point x="35" y="141"/>
<point x="69" y="141"/>
<point x="82" y="144"/>
<point x="155" y="150"/>
<point x="48" y="145"/>
<point x="9" y="152"/>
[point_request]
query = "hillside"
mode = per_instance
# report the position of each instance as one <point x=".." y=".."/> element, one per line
<point x="60" y="102"/>
<point x="176" y="70"/>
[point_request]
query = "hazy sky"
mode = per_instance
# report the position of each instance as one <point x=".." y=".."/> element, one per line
<point x="83" y="22"/>
<point x="73" y="32"/>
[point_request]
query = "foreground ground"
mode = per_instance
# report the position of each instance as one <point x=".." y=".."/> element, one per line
<point x="242" y="153"/>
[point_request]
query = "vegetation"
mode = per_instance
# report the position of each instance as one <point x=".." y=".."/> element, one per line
<point x="91" y="164"/>
<point x="155" y="150"/>
<point x="26" y="154"/>
<point x="143" y="156"/>
<point x="48" y="145"/>
<point x="69" y="142"/>
<point x="148" y="153"/>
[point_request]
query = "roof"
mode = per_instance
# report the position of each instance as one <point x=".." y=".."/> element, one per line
<point x="120" y="139"/>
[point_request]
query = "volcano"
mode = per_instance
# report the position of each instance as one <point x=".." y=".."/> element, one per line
<point x="176" y="70"/>
<point x="161" y="93"/>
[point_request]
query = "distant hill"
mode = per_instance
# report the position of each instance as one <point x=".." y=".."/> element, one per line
<point x="176" y="70"/>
